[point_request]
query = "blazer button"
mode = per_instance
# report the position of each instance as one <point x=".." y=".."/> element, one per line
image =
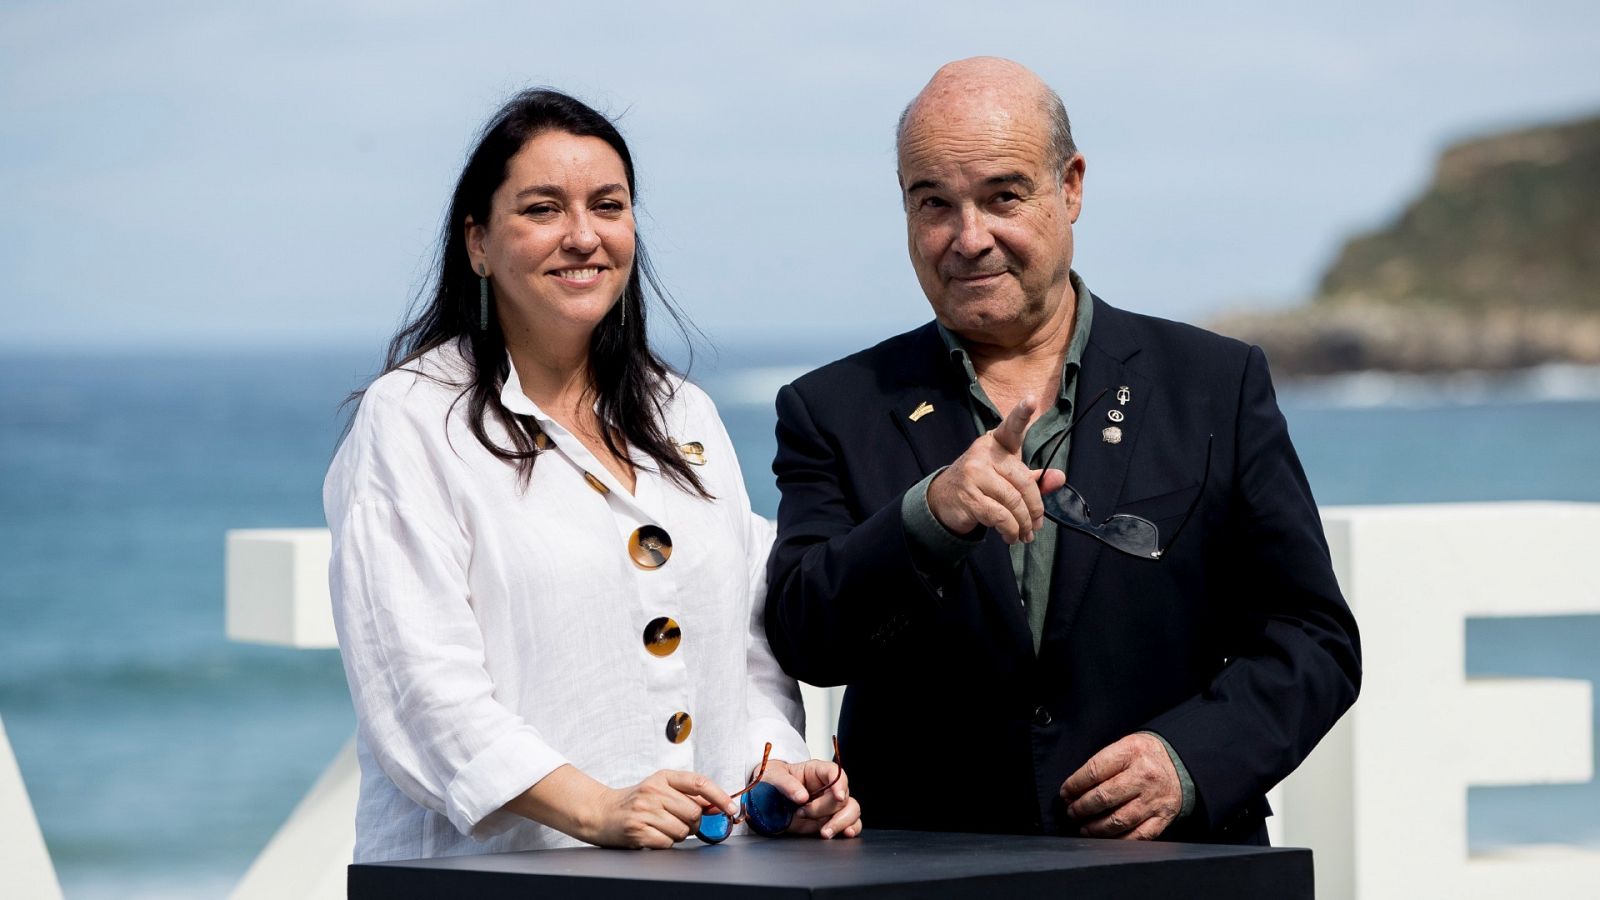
<point x="1041" y="717"/>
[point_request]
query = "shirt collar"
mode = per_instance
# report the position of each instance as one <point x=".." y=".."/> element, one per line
<point x="512" y="397"/>
<point x="517" y="403"/>
<point x="1082" y="321"/>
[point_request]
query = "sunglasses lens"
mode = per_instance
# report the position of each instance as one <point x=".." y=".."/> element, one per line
<point x="1131" y="534"/>
<point x="714" y="827"/>
<point x="1067" y="506"/>
<point x="767" y="810"/>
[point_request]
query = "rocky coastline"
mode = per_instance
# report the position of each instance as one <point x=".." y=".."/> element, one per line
<point x="1495" y="266"/>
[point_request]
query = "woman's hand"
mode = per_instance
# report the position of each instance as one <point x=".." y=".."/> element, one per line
<point x="655" y="813"/>
<point x="824" y="810"/>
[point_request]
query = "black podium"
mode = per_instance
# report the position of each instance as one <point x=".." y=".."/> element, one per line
<point x="879" y="864"/>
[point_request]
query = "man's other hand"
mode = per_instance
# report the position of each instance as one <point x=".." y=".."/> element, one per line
<point x="990" y="485"/>
<point x="1128" y="790"/>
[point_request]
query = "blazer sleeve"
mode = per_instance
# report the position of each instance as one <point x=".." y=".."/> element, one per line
<point x="1293" y="652"/>
<point x="840" y="584"/>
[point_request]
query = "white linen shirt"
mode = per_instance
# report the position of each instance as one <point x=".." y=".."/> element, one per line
<point x="491" y="633"/>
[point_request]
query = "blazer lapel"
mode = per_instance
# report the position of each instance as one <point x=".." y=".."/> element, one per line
<point x="935" y="421"/>
<point x="1096" y="467"/>
<point x="941" y="431"/>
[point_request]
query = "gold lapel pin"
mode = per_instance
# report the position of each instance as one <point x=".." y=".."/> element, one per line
<point x="922" y="409"/>
<point x="694" y="453"/>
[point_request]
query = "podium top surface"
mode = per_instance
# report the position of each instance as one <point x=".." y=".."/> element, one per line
<point x="877" y="864"/>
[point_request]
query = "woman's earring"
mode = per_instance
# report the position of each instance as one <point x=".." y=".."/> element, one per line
<point x="483" y="297"/>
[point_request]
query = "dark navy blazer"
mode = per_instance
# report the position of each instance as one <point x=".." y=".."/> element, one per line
<point x="1237" y="647"/>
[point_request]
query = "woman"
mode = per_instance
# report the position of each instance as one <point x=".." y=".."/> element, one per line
<point x="546" y="574"/>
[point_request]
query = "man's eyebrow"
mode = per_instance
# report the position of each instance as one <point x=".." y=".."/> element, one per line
<point x="1016" y="178"/>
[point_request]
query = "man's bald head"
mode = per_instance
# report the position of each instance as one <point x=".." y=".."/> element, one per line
<point x="985" y="87"/>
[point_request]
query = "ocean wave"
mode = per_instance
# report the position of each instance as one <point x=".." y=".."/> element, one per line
<point x="223" y="673"/>
<point x="1554" y="383"/>
<point x="753" y="385"/>
<point x="757" y="386"/>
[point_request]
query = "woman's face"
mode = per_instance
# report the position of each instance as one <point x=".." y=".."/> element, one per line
<point x="559" y="241"/>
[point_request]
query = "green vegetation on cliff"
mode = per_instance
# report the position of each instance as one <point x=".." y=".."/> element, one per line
<point x="1509" y="220"/>
<point x="1495" y="266"/>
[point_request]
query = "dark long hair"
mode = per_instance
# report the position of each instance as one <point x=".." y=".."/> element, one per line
<point x="628" y="379"/>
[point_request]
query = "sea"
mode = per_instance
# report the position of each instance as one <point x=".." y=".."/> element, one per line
<point x="160" y="757"/>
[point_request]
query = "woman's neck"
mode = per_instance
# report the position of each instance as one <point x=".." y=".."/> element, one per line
<point x="554" y="376"/>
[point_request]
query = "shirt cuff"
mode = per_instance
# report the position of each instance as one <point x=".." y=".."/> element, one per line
<point x="496" y="775"/>
<point x="787" y="743"/>
<point x="934" y="548"/>
<point x="1184" y="781"/>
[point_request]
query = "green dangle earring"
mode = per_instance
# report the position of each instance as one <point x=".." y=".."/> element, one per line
<point x="483" y="297"/>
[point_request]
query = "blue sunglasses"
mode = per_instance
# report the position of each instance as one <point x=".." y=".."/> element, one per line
<point x="765" y="808"/>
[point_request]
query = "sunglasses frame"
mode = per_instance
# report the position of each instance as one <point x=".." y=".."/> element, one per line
<point x="761" y="770"/>
<point x="1099" y="532"/>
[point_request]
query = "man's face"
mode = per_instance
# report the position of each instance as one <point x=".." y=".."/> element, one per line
<point x="988" y="220"/>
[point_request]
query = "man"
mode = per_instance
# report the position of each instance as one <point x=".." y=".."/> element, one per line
<point x="1005" y="673"/>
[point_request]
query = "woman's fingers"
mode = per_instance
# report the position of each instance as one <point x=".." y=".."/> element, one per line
<point x="787" y="780"/>
<point x="849" y="814"/>
<point x="828" y="785"/>
<point x="695" y="785"/>
<point x="659" y="811"/>
<point x="832" y="812"/>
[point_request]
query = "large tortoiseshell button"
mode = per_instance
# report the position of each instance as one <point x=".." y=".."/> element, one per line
<point x="597" y="484"/>
<point x="541" y="441"/>
<point x="678" y="727"/>
<point x="662" y="636"/>
<point x="650" y="546"/>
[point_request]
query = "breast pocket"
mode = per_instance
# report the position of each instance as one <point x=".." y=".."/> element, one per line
<point x="1165" y="510"/>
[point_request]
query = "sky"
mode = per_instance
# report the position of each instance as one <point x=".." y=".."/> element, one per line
<point x="220" y="175"/>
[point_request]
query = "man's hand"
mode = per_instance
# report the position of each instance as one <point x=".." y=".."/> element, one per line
<point x="990" y="485"/>
<point x="1128" y="790"/>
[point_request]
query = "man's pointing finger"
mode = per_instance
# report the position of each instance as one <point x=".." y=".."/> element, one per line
<point x="1015" y="427"/>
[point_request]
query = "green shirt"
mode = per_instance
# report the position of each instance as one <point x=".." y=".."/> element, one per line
<point x="1047" y="442"/>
